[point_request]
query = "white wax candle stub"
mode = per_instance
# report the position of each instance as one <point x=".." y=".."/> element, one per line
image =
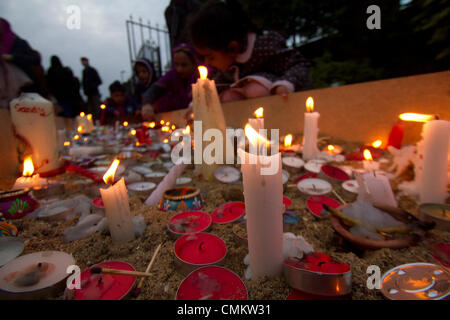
<point x="371" y="165"/>
<point x="141" y="170"/>
<point x="375" y="189"/>
<point x="141" y="186"/>
<point x="155" y="175"/>
<point x="350" y="186"/>
<point x="314" y="166"/>
<point x="183" y="181"/>
<point x="314" y="186"/>
<point x="293" y="162"/>
<point x="285" y="176"/>
<point x="227" y="174"/>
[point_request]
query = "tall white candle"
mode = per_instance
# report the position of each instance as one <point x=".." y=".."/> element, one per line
<point x="33" y="118"/>
<point x="117" y="207"/>
<point x="263" y="195"/>
<point x="433" y="180"/>
<point x="208" y="110"/>
<point x="257" y="123"/>
<point x="310" y="131"/>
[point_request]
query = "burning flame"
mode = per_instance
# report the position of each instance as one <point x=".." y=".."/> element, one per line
<point x="162" y="122"/>
<point x="253" y="136"/>
<point x="82" y="114"/>
<point x="165" y="129"/>
<point x="103" y="107"/>
<point x="80" y="129"/>
<point x="259" y="113"/>
<point x="109" y="175"/>
<point x="377" y="144"/>
<point x="89" y="116"/>
<point x="66" y="143"/>
<point x="76" y="137"/>
<point x="166" y="140"/>
<point x="173" y="127"/>
<point x="152" y="125"/>
<point x="416" y="117"/>
<point x="203" y="72"/>
<point x="330" y="147"/>
<point x="137" y="144"/>
<point x="133" y="132"/>
<point x="310" y="104"/>
<point x="288" y="140"/>
<point x="125" y="124"/>
<point x="28" y="167"/>
<point x="367" y="155"/>
<point x="187" y="130"/>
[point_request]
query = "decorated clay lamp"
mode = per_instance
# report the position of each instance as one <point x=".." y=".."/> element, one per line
<point x="29" y="179"/>
<point x="315" y="205"/>
<point x="227" y="174"/>
<point x="333" y="174"/>
<point x="416" y="281"/>
<point x="197" y="250"/>
<point x="228" y="212"/>
<point x="104" y="286"/>
<point x="189" y="222"/>
<point x="35" y="276"/>
<point x="17" y="204"/>
<point x="318" y="274"/>
<point x="212" y="283"/>
<point x="314" y="187"/>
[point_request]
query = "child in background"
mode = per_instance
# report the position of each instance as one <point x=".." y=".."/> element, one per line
<point x="146" y="75"/>
<point x="173" y="91"/>
<point x="119" y="107"/>
<point x="254" y="63"/>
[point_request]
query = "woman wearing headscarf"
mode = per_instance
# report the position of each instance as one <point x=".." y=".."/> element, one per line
<point x="145" y="72"/>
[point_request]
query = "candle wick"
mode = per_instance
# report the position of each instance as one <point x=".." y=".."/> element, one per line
<point x="201" y="245"/>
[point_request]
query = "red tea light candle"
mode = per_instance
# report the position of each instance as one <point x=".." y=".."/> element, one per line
<point x="315" y="205"/>
<point x="228" y="212"/>
<point x="105" y="286"/>
<point x="189" y="222"/>
<point x="197" y="250"/>
<point x="333" y="174"/>
<point x="212" y="283"/>
<point x="333" y="150"/>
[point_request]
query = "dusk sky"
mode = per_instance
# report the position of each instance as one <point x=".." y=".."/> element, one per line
<point x="102" y="36"/>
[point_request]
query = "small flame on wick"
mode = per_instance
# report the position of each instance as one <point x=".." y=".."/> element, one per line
<point x="367" y="155"/>
<point x="288" y="140"/>
<point x="28" y="167"/>
<point x="377" y="144"/>
<point x="80" y="129"/>
<point x="89" y="116"/>
<point x="203" y="72"/>
<point x="165" y="129"/>
<point x="103" y="107"/>
<point x="259" y="113"/>
<point x="310" y="104"/>
<point x="109" y="175"/>
<point x="125" y="124"/>
<point x="416" y="117"/>
<point x="162" y="122"/>
<point x="330" y="147"/>
<point x="82" y="114"/>
<point x="76" y="137"/>
<point x="254" y="136"/>
<point x="166" y="140"/>
<point x="187" y="130"/>
<point x="152" y="125"/>
<point x="66" y="143"/>
<point x="133" y="132"/>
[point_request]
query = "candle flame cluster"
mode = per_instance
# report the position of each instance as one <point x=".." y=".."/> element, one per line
<point x="259" y="113"/>
<point x="203" y="72"/>
<point x="288" y="140"/>
<point x="416" y="117"/>
<point x="109" y="175"/>
<point x="310" y="104"/>
<point x="28" y="167"/>
<point x="367" y="155"/>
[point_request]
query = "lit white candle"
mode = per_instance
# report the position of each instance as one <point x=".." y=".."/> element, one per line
<point x="310" y="131"/>
<point x="33" y="118"/>
<point x="117" y="208"/>
<point x="369" y="163"/>
<point x="28" y="180"/>
<point x="375" y="188"/>
<point x="433" y="180"/>
<point x="84" y="123"/>
<point x="263" y="193"/>
<point x="257" y="123"/>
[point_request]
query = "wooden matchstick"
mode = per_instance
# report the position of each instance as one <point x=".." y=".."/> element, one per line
<point x="97" y="270"/>
<point x="339" y="197"/>
<point x="149" y="267"/>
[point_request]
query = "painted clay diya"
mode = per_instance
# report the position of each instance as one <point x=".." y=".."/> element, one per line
<point x="105" y="286"/>
<point x="315" y="205"/>
<point x="35" y="276"/>
<point x="318" y="274"/>
<point x="197" y="250"/>
<point x="181" y="198"/>
<point x="333" y="174"/>
<point x="438" y="213"/>
<point x="212" y="283"/>
<point x="416" y="281"/>
<point x="17" y="204"/>
<point x="228" y="212"/>
<point x="189" y="222"/>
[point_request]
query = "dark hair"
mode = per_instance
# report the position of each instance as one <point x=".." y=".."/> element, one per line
<point x="218" y="23"/>
<point x="84" y="59"/>
<point x="116" y="86"/>
<point x="55" y="62"/>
